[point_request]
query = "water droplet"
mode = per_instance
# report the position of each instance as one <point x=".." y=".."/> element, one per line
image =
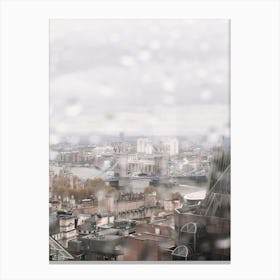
<point x="218" y="80"/>
<point x="206" y="95"/>
<point x="154" y="45"/>
<point x="202" y="73"/>
<point x="127" y="60"/>
<point x="213" y="138"/>
<point x="73" y="108"/>
<point x="105" y="90"/>
<point x="61" y="127"/>
<point x="222" y="243"/>
<point x="109" y="116"/>
<point x="169" y="85"/>
<point x="144" y="56"/>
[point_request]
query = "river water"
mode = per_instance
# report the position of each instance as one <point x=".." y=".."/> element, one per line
<point x="82" y="172"/>
<point x="184" y="187"/>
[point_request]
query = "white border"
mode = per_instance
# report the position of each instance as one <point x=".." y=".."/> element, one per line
<point x="255" y="137"/>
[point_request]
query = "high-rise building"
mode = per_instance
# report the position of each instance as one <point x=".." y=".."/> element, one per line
<point x="144" y="146"/>
<point x="170" y="146"/>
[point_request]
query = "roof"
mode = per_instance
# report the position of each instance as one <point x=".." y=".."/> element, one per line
<point x="192" y="227"/>
<point x="66" y="217"/>
<point x="103" y="237"/>
<point x="91" y="219"/>
<point x="217" y="200"/>
<point x="58" y="251"/>
<point x="86" y="200"/>
<point x="86" y="226"/>
<point x="165" y="241"/>
<point x="181" y="251"/>
<point x="109" y="231"/>
<point x="196" y="195"/>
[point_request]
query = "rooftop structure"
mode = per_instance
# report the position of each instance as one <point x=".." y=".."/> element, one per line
<point x="204" y="225"/>
<point x="57" y="252"/>
<point x="217" y="200"/>
<point x="181" y="252"/>
<point x="195" y="195"/>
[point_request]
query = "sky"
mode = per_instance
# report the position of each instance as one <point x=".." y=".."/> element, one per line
<point x="139" y="77"/>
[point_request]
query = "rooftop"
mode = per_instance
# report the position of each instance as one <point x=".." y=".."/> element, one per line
<point x="103" y="237"/>
<point x="165" y="241"/>
<point x="58" y="252"/>
<point x="196" y="195"/>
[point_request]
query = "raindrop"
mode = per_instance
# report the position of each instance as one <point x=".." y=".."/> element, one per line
<point x="73" y="108"/>
<point x="218" y="80"/>
<point x="144" y="56"/>
<point x="222" y="243"/>
<point x="202" y="73"/>
<point x="206" y="95"/>
<point x="127" y="60"/>
<point x="61" y="127"/>
<point x="213" y="138"/>
<point x="154" y="45"/>
<point x="169" y="85"/>
<point x="109" y="116"/>
<point x="105" y="90"/>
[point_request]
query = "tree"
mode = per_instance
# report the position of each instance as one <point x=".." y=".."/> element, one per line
<point x="150" y="189"/>
<point x="177" y="196"/>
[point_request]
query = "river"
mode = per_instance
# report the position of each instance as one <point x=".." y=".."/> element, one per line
<point x="184" y="187"/>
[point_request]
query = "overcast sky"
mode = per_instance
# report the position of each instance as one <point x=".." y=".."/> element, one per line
<point x="153" y="77"/>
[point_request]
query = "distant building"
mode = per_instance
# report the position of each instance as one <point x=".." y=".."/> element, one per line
<point x="106" y="204"/>
<point x="69" y="157"/>
<point x="133" y="165"/>
<point x="170" y="146"/>
<point x="87" y="202"/>
<point x="67" y="230"/>
<point x="88" y="227"/>
<point x="144" y="146"/>
<point x="150" y="199"/>
<point x="171" y="204"/>
<point x="161" y="165"/>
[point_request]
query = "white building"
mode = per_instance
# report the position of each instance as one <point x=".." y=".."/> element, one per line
<point x="144" y="146"/>
<point x="170" y="146"/>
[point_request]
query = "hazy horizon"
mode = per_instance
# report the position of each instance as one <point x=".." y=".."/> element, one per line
<point x="139" y="77"/>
